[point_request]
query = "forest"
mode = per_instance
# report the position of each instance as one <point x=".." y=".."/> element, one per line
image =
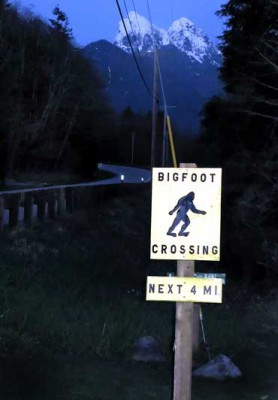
<point x="239" y="133"/>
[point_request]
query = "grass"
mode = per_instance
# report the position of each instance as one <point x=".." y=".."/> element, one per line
<point x="72" y="303"/>
<point x="67" y="277"/>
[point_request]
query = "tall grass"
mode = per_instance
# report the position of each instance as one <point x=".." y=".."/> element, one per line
<point x="77" y="286"/>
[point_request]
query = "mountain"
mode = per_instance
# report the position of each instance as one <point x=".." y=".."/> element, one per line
<point x="182" y="34"/>
<point x="188" y="63"/>
<point x="189" y="39"/>
<point x="143" y="35"/>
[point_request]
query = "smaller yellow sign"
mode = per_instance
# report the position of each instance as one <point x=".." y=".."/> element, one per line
<point x="200" y="290"/>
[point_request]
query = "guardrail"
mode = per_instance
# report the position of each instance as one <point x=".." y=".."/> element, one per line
<point x="27" y="206"/>
<point x="23" y="206"/>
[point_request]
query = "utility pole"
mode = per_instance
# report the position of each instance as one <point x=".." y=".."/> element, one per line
<point x="164" y="138"/>
<point x="154" y="111"/>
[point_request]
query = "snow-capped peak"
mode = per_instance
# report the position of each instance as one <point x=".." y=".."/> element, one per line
<point x="189" y="39"/>
<point x="182" y="23"/>
<point x="183" y="34"/>
<point x="143" y="35"/>
<point x="136" y="23"/>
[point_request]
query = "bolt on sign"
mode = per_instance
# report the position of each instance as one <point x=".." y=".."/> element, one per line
<point x="186" y="213"/>
<point x="163" y="288"/>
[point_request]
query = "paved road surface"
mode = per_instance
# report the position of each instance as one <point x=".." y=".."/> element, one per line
<point x="127" y="174"/>
<point x="122" y="173"/>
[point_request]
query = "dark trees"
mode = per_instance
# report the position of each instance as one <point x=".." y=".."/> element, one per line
<point x="60" y="23"/>
<point x="51" y="98"/>
<point x="240" y="131"/>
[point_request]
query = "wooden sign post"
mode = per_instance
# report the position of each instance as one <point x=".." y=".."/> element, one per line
<point x="185" y="227"/>
<point x="183" y="340"/>
<point x="183" y="334"/>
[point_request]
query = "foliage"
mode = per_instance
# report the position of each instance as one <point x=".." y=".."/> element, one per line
<point x="61" y="23"/>
<point x="52" y="101"/>
<point x="77" y="312"/>
<point x="240" y="134"/>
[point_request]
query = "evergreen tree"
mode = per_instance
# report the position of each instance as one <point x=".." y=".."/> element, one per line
<point x="249" y="47"/>
<point x="60" y="23"/>
<point x="52" y="105"/>
<point x="240" y="130"/>
<point x="4" y="4"/>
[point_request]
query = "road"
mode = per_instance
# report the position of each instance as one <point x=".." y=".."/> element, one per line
<point x="126" y="174"/>
<point x="122" y="173"/>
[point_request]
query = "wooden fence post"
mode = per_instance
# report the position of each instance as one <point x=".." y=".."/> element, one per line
<point x="51" y="201"/>
<point x="41" y="202"/>
<point x="14" y="210"/>
<point x="28" y="208"/>
<point x="69" y="200"/>
<point x="2" y="207"/>
<point x="61" y="201"/>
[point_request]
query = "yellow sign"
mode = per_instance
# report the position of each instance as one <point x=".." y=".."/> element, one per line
<point x="186" y="213"/>
<point x="200" y="290"/>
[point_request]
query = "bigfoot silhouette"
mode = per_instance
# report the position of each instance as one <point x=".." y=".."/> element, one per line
<point x="184" y="204"/>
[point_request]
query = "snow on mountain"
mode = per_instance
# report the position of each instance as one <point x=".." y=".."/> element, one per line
<point x="182" y="34"/>
<point x="143" y="35"/>
<point x="189" y="39"/>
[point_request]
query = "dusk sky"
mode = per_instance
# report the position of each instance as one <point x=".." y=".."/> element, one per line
<point x="92" y="20"/>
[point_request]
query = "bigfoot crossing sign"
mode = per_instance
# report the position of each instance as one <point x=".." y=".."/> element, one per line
<point x="186" y="205"/>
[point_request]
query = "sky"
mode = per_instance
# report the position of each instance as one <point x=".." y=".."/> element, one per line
<point x="92" y="20"/>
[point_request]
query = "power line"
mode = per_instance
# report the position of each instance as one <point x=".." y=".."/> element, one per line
<point x="161" y="84"/>
<point x="136" y="17"/>
<point x="131" y="25"/>
<point x="150" y="19"/>
<point x="155" y="97"/>
<point x="164" y="135"/>
<point x="132" y="50"/>
<point x="166" y="117"/>
<point x="129" y="20"/>
<point x="149" y="12"/>
<point x="157" y="58"/>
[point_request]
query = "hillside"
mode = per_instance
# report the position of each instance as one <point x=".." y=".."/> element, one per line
<point x="188" y="62"/>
